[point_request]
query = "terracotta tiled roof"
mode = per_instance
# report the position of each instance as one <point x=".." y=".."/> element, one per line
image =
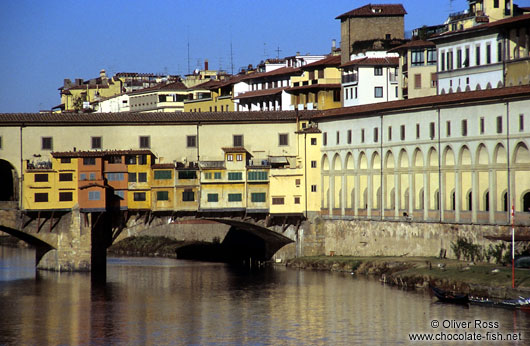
<point x="287" y="71"/>
<point x="333" y="60"/>
<point x="100" y="153"/>
<point x="495" y="24"/>
<point x="374" y="10"/>
<point x="310" y="130"/>
<point x="313" y="87"/>
<point x="235" y="150"/>
<point x="413" y="44"/>
<point x="173" y="86"/>
<point x="211" y="84"/>
<point x="259" y="93"/>
<point x="28" y="119"/>
<point x="163" y="165"/>
<point x="366" y="61"/>
<point x="429" y="101"/>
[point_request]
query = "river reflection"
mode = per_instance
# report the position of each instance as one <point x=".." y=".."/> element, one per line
<point x="149" y="301"/>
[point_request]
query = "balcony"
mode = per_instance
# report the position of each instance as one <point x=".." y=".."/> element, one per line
<point x="350" y="78"/>
<point x="393" y="77"/>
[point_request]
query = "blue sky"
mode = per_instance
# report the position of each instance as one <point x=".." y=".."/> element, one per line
<point x="44" y="42"/>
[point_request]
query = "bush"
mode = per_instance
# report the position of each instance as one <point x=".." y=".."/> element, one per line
<point x="467" y="250"/>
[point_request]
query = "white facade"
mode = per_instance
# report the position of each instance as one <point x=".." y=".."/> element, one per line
<point x="370" y="80"/>
<point x="119" y="103"/>
<point x="470" y="63"/>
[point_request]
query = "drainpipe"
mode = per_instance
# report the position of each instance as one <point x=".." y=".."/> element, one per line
<point x="305" y="172"/>
<point x="199" y="190"/>
<point x="21" y="169"/>
<point x="439" y="168"/>
<point x="508" y="155"/>
<point x="380" y="134"/>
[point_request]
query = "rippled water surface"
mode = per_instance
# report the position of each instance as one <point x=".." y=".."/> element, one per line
<point x="150" y="301"/>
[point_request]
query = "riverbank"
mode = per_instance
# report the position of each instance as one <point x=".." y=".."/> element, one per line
<point x="481" y="279"/>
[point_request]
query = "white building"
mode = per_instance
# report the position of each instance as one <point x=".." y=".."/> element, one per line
<point x="114" y="104"/>
<point x="370" y="78"/>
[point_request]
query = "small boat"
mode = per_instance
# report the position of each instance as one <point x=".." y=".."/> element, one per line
<point x="448" y="297"/>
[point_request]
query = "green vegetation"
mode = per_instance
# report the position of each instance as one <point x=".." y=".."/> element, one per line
<point x="146" y="246"/>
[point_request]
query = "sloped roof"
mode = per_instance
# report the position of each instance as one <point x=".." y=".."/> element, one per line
<point x="333" y="60"/>
<point x="260" y="93"/>
<point x="375" y="10"/>
<point x="278" y="72"/>
<point x="413" y="44"/>
<point x="367" y="61"/>
<point x="173" y="86"/>
<point x="100" y="153"/>
<point x="313" y="87"/>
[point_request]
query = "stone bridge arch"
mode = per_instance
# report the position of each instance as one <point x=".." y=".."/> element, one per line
<point x="9" y="186"/>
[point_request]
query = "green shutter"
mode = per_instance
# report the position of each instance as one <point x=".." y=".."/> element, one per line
<point x="235" y="176"/>
<point x="258" y="197"/>
<point x="162" y="196"/>
<point x="162" y="174"/>
<point x="213" y="197"/>
<point x="234" y="197"/>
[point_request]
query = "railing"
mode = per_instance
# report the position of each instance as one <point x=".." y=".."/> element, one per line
<point x="39" y="165"/>
<point x="350" y="78"/>
<point x="393" y="77"/>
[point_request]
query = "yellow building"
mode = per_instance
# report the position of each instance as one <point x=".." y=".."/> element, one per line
<point x="482" y="11"/>
<point x="164" y="97"/>
<point x="318" y="87"/>
<point x="50" y="184"/>
<point x="213" y="96"/>
<point x="140" y="179"/>
<point x="163" y="187"/>
<point x="187" y="187"/>
<point x="295" y="188"/>
<point x="78" y="95"/>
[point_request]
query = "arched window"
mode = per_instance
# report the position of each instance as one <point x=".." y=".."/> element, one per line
<point x="487" y="201"/>
<point x="526" y="202"/>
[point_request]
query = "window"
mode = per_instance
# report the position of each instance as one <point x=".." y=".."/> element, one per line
<point x="89" y="161"/>
<point x="417" y="81"/>
<point x="258" y="197"/>
<point x="66" y="196"/>
<point x="187" y="175"/>
<point x="349" y="136"/>
<point x="41" y="177"/>
<point x="495" y="3"/>
<point x="239" y="157"/>
<point x="390" y="133"/>
<point x="235" y="176"/>
<point x="521" y="122"/>
<point x="188" y="195"/>
<point x="442" y="61"/>
<point x="130" y="160"/>
<point x="142" y="177"/>
<point x="234" y="197"/>
<point x="448" y="129"/>
<point x="213" y="197"/>
<point x="145" y="142"/>
<point x="297" y="182"/>
<point x="92" y="176"/>
<point x="41" y="197"/>
<point x="362" y="135"/>
<point x="482" y="125"/>
<point x="115" y="159"/>
<point x="313" y="164"/>
<point x="207" y="175"/>
<point x="417" y="57"/>
<point x="139" y="196"/>
<point x="402" y="132"/>
<point x="119" y="194"/>
<point x="283" y="139"/>
<point x="217" y="175"/>
<point x="477" y="55"/>
<point x="277" y="200"/>
<point x="464" y="127"/>
<point x="355" y="92"/>
<point x="313" y="141"/>
<point x="378" y="92"/>
<point x="162" y="196"/>
<point x="229" y="157"/>
<point x="325" y="139"/>
<point x="499" y="52"/>
<point x="459" y="58"/>
<point x="431" y="56"/>
<point x="191" y="141"/>
<point x="95" y="195"/>
<point x="488" y="54"/>
<point x="238" y="140"/>
<point x="47" y="143"/>
<point x="142" y="159"/>
<point x="66" y="177"/>
<point x="376" y="134"/>
<point x="115" y="176"/>
<point x="338" y="137"/>
<point x="82" y="176"/>
<point x="0" y="142"/>
<point x="161" y="175"/>
<point x="378" y="71"/>
<point x="256" y="175"/>
<point x="432" y="130"/>
<point x="417" y="131"/>
<point x="66" y="160"/>
<point x="132" y="178"/>
<point x="466" y="58"/>
<point x="96" y="142"/>
<point x="499" y="124"/>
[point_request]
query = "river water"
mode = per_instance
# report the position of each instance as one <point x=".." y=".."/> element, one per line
<point x="153" y="301"/>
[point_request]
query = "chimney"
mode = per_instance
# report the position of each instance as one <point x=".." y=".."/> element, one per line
<point x="78" y="81"/>
<point x="67" y="83"/>
<point x="333" y="45"/>
<point x="205" y="64"/>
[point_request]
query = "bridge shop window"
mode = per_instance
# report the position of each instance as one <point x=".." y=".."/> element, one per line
<point x="187" y="175"/>
<point x="234" y="197"/>
<point x="213" y="197"/>
<point x="163" y="175"/>
<point x="41" y="178"/>
<point x="66" y="177"/>
<point x="115" y="176"/>
<point x="139" y="196"/>
<point x="89" y="161"/>
<point x="66" y="160"/>
<point x="94" y="195"/>
<point x="188" y="195"/>
<point x="208" y="175"/>
<point x="142" y="159"/>
<point x="162" y="196"/>
<point x="96" y="142"/>
<point x="145" y="142"/>
<point x="41" y="197"/>
<point x="278" y="200"/>
<point x="132" y="177"/>
<point x="257" y="175"/>
<point x="66" y="196"/>
<point x="258" y="197"/>
<point x="115" y="159"/>
<point x="130" y="159"/>
<point x="235" y="176"/>
<point x="217" y="175"/>
<point x="142" y="177"/>
<point x="47" y="143"/>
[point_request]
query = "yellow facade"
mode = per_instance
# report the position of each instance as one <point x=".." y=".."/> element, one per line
<point x="140" y="180"/>
<point x="73" y="95"/>
<point x="163" y="188"/>
<point x="187" y="189"/>
<point x="50" y="185"/>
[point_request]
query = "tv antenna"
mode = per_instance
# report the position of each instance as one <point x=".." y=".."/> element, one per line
<point x="278" y="50"/>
